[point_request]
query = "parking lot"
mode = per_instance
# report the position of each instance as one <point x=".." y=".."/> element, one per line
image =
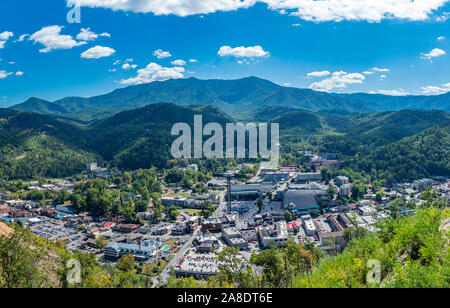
<point x="194" y="262"/>
<point x="53" y="231"/>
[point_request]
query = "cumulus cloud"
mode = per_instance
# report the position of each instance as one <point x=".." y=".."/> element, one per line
<point x="178" y="62"/>
<point x="19" y="73"/>
<point x="193" y="60"/>
<point x="160" y="54"/>
<point x="5" y="36"/>
<point x="338" y="80"/>
<point x="154" y="72"/>
<point x="87" y="35"/>
<point x="434" y="54"/>
<point x="128" y="66"/>
<point x="4" y="74"/>
<point x="319" y="74"/>
<point x="51" y="38"/>
<point x="243" y="52"/>
<point x="399" y="92"/>
<point x="310" y="10"/>
<point x="435" y="90"/>
<point x="97" y="52"/>
<point x="441" y="38"/>
<point x="170" y="7"/>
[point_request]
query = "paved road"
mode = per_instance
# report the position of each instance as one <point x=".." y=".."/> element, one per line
<point x="162" y="278"/>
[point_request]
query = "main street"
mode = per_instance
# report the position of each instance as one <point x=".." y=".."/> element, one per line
<point x="162" y="278"/>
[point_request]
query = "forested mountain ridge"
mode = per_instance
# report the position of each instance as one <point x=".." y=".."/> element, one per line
<point x="142" y="138"/>
<point x="235" y="97"/>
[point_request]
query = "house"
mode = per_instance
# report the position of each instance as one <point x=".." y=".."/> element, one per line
<point x="422" y="184"/>
<point x="304" y="178"/>
<point x="193" y="167"/>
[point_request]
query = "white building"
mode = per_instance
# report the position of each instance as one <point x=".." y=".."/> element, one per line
<point x="309" y="226"/>
<point x="273" y="235"/>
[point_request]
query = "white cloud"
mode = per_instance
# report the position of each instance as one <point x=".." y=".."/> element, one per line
<point x="87" y="35"/>
<point x="311" y="10"/>
<point x="434" y="54"/>
<point x="193" y="60"/>
<point x="19" y="73"/>
<point x="376" y="69"/>
<point x="368" y="73"/>
<point x="160" y="54"/>
<point x="243" y="52"/>
<point x="399" y="92"/>
<point x="178" y="62"/>
<point x="4" y="36"/>
<point x="382" y="77"/>
<point x="11" y="62"/>
<point x="434" y="90"/>
<point x="154" y="72"/>
<point x="23" y="37"/>
<point x="319" y="74"/>
<point x="97" y="52"/>
<point x="51" y="38"/>
<point x="4" y="74"/>
<point x="338" y="80"/>
<point x="441" y="38"/>
<point x="296" y="25"/>
<point x="127" y="66"/>
<point x="287" y="84"/>
<point x="170" y="7"/>
<point x="105" y="34"/>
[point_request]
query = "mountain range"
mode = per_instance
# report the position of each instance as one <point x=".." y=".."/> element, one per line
<point x="238" y="98"/>
<point x="34" y="145"/>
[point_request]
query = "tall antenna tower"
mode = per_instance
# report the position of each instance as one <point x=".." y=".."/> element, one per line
<point x="229" y="192"/>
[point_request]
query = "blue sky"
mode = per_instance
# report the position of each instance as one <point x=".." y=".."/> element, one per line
<point x="401" y="49"/>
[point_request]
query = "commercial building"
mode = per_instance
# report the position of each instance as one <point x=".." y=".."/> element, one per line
<point x="276" y="234"/>
<point x="233" y="238"/>
<point x="308" y="224"/>
<point x="212" y="225"/>
<point x="303" y="202"/>
<point x="276" y="176"/>
<point x="303" y="178"/>
<point x="345" y="190"/>
<point x="141" y="252"/>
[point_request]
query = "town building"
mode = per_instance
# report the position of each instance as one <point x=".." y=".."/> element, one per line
<point x="276" y="234"/>
<point x="233" y="238"/>
<point x="142" y="252"/>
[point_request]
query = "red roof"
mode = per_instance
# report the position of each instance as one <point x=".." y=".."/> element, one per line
<point x="295" y="224"/>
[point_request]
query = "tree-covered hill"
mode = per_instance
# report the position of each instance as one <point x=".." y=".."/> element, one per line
<point x="422" y="155"/>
